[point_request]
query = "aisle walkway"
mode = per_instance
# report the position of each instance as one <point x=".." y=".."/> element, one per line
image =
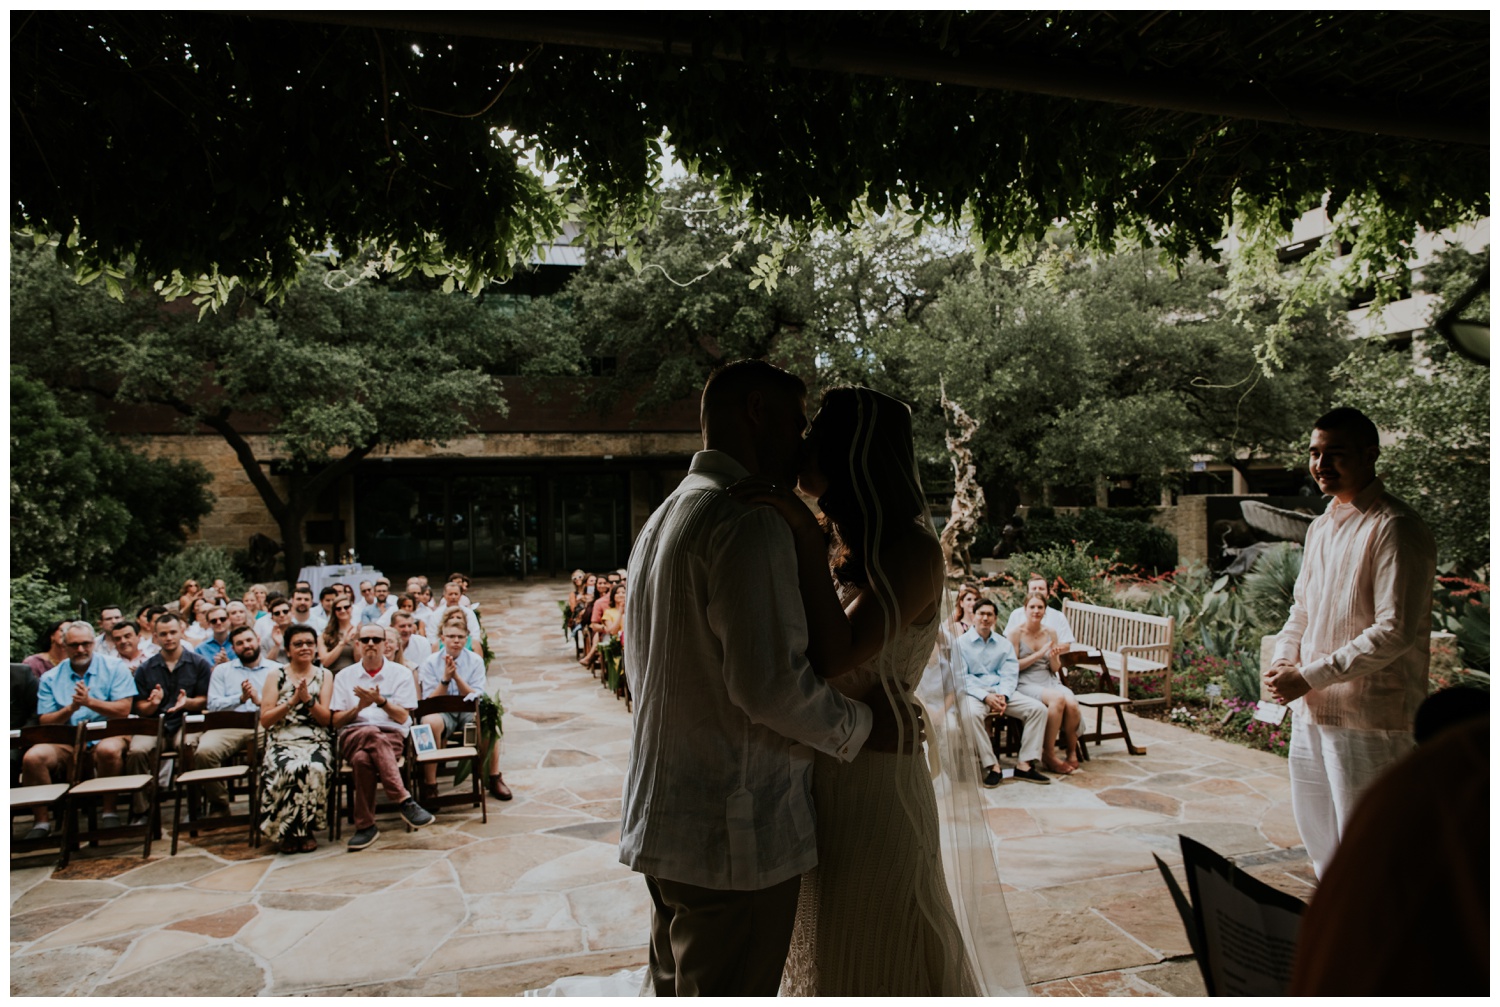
<point x="464" y="908"/>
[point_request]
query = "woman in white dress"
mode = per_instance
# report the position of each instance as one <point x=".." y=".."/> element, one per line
<point x="877" y="916"/>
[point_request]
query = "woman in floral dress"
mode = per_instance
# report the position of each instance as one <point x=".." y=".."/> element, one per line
<point x="294" y="776"/>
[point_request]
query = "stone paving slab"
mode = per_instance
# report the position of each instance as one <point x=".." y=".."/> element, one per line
<point x="465" y="908"/>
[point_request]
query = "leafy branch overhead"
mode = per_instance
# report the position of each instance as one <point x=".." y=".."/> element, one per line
<point x="216" y="149"/>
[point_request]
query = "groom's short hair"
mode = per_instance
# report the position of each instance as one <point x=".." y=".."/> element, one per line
<point x="731" y="384"/>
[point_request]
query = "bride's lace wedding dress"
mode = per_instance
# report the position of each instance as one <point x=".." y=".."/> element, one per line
<point x="875" y="916"/>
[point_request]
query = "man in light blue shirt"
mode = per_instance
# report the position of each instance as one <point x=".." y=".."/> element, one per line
<point x="455" y="670"/>
<point x="236" y="685"/>
<point x="84" y="687"/>
<point x="215" y="650"/>
<point x="990" y="687"/>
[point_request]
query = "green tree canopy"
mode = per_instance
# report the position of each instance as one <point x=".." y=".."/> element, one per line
<point x="331" y="372"/>
<point x="225" y="146"/>
<point x="82" y="503"/>
<point x="1439" y="413"/>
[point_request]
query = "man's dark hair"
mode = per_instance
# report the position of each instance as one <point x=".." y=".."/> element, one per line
<point x="302" y="589"/>
<point x="330" y="589"/>
<point x="986" y="603"/>
<point x="168" y="616"/>
<point x="157" y="611"/>
<point x="272" y="600"/>
<point x="242" y="629"/>
<point x="1348" y="420"/>
<point x="106" y="608"/>
<point x="734" y="381"/>
<point x="125" y="624"/>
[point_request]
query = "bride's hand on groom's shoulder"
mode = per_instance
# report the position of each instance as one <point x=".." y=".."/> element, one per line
<point x="760" y="491"/>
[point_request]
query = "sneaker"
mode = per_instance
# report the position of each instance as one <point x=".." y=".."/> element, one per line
<point x="109" y="820"/>
<point x="1031" y="775"/>
<point x="992" y="778"/>
<point x="364" y="837"/>
<point x="39" y="832"/>
<point x="138" y="820"/>
<point x="414" y="814"/>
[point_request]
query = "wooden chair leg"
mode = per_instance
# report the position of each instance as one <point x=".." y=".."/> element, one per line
<point x="1130" y="746"/>
<point x="177" y="819"/>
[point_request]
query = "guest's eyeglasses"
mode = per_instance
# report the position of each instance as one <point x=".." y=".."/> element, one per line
<point x="281" y="611"/>
<point x="372" y="639"/>
<point x="341" y="608"/>
<point x="215" y="622"/>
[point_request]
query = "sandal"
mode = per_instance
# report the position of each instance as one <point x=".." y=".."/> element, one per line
<point x="309" y="843"/>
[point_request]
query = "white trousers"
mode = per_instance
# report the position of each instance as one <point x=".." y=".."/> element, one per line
<point x="1031" y="714"/>
<point x="1330" y="768"/>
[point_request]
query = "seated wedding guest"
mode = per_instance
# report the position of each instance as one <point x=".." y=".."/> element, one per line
<point x="323" y="611"/>
<point x="453" y="602"/>
<point x="50" y="649"/>
<point x="404" y="603"/>
<point x="372" y="707"/>
<point x="272" y="629"/>
<point x="294" y="772"/>
<point x="256" y="599"/>
<point x="195" y="627"/>
<point x="239" y="615"/>
<point x="235" y="685"/>
<point x="127" y="644"/>
<point x="365" y="607"/>
<point x="413" y="643"/>
<point x="383" y="596"/>
<point x="171" y="684"/>
<point x="463" y="588"/>
<point x="455" y="671"/>
<point x="146" y="626"/>
<point x="108" y="616"/>
<point x="610" y="623"/>
<point x="80" y="688"/>
<point x="220" y="591"/>
<point x="963" y="608"/>
<point x="604" y="590"/>
<point x="1039" y="653"/>
<point x="991" y="675"/>
<point x="190" y="593"/>
<point x="215" y="650"/>
<point x="1053" y="619"/>
<point x="336" y="646"/>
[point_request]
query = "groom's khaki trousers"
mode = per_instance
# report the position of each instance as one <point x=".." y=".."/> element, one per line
<point x="715" y="942"/>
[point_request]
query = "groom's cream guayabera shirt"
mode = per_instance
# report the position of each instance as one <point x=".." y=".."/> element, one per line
<point x="727" y="709"/>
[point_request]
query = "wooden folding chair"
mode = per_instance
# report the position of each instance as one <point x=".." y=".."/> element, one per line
<point x="189" y="781"/>
<point x="1106" y="698"/>
<point x="341" y="788"/>
<point x="451" y="753"/>
<point x="1005" y="734"/>
<point x="24" y="800"/>
<point x="84" y="792"/>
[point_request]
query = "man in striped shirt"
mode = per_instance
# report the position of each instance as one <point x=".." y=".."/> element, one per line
<point x="1352" y="657"/>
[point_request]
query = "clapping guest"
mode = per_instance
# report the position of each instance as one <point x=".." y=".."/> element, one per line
<point x="127" y="645"/>
<point x="216" y="650"/>
<point x="195" y="627"/>
<point x="414" y="644"/>
<point x="1039" y="655"/>
<point x="239" y="615"/>
<point x="272" y="629"/>
<point x="455" y="671"/>
<point x="299" y="746"/>
<point x="336" y="649"/>
<point x="235" y="685"/>
<point x="171" y="684"/>
<point x="189" y="594"/>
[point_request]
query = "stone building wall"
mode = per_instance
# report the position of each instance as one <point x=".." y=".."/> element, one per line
<point x="238" y="510"/>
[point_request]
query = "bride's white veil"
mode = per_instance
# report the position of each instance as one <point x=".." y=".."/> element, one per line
<point x="886" y="488"/>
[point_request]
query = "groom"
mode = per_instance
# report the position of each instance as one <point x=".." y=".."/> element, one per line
<point x="717" y="805"/>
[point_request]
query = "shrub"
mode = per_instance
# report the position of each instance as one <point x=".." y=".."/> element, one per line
<point x="1074" y="570"/>
<point x="34" y="602"/>
<point x="199" y="561"/>
<point x="1267" y="589"/>
<point x="1126" y="532"/>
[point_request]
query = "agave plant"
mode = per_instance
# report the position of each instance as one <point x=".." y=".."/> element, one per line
<point x="1267" y="588"/>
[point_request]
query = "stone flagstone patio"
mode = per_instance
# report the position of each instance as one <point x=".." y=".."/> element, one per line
<point x="473" y="909"/>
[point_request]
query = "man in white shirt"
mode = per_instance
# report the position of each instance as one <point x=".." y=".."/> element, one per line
<point x="127" y="645"/>
<point x="103" y="642"/>
<point x="1352" y="657"/>
<point x="717" y="806"/>
<point x="372" y="704"/>
<point x="1052" y="618"/>
<point x="414" y="645"/>
<point x="456" y="671"/>
<point x="302" y="609"/>
<point x="452" y="602"/>
<point x="236" y="685"/>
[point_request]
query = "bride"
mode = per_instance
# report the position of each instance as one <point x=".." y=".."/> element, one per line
<point x="904" y="899"/>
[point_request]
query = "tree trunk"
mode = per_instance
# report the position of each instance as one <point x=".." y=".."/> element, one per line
<point x="291" y="542"/>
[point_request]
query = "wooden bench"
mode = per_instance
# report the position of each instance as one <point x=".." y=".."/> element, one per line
<point x="1132" y="643"/>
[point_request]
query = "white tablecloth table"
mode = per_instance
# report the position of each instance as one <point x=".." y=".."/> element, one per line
<point x="344" y="573"/>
